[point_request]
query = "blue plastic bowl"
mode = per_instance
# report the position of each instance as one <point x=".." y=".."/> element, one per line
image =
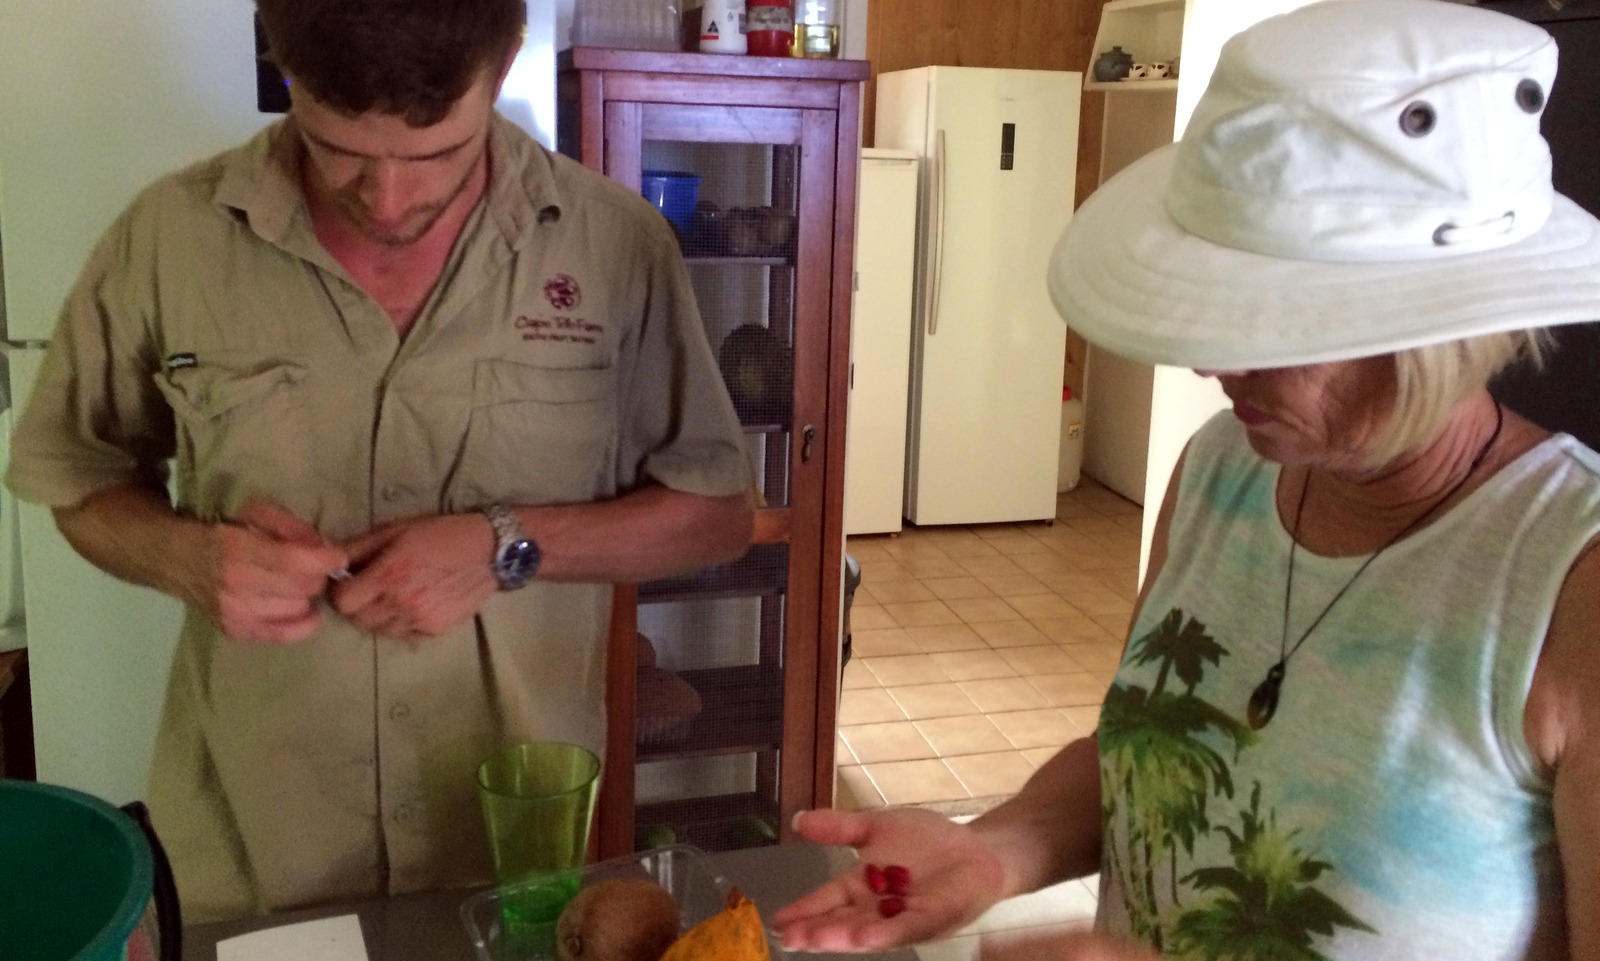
<point x="674" y="194"/>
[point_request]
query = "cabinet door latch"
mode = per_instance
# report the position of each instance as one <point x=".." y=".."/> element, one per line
<point x="807" y="436"/>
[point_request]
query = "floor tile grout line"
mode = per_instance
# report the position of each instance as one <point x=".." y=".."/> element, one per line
<point x="972" y="556"/>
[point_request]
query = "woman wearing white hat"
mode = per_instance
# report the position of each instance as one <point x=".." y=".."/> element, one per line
<point x="1357" y="714"/>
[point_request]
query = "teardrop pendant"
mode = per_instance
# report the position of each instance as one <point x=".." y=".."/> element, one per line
<point x="1264" y="699"/>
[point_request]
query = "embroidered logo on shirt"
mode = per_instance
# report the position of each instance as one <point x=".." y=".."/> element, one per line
<point x="180" y="361"/>
<point x="563" y="292"/>
<point x="564" y="295"/>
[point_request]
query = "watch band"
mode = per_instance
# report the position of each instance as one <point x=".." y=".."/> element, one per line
<point x="516" y="556"/>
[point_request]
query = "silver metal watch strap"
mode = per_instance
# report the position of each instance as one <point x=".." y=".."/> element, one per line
<point x="503" y="520"/>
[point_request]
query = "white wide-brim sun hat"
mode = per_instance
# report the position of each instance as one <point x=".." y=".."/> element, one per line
<point x="1360" y="177"/>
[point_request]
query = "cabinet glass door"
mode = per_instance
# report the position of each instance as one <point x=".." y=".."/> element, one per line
<point x="728" y="654"/>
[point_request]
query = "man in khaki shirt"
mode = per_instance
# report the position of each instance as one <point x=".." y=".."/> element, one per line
<point x="390" y="336"/>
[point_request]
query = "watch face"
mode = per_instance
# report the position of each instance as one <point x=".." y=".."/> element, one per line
<point x="517" y="562"/>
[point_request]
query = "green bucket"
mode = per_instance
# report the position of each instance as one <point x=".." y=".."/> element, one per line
<point x="77" y="876"/>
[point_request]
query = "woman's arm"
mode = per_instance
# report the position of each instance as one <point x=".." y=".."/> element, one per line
<point x="1562" y="720"/>
<point x="1050" y="831"/>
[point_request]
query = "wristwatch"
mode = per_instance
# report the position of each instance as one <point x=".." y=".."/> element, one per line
<point x="516" y="556"/>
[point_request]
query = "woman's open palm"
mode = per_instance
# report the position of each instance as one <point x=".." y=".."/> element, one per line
<point x="953" y="878"/>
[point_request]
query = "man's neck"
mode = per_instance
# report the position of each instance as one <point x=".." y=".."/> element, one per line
<point x="400" y="277"/>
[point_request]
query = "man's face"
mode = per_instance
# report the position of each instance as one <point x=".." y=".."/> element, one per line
<point x="389" y="181"/>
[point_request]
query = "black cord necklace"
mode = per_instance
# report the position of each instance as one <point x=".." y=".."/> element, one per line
<point x="1264" y="699"/>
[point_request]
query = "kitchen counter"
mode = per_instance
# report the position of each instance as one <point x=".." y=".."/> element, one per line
<point x="428" y="927"/>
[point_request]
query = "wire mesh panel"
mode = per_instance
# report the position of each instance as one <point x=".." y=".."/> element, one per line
<point x="733" y="207"/>
<point x="710" y="703"/>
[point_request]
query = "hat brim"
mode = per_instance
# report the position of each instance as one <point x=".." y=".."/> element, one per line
<point x="1128" y="278"/>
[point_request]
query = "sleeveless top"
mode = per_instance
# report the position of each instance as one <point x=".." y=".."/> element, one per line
<point x="1391" y="809"/>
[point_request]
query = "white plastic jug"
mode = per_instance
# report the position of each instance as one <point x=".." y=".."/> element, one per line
<point x="1069" y="470"/>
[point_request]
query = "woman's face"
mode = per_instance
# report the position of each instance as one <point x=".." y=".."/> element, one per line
<point x="1316" y="415"/>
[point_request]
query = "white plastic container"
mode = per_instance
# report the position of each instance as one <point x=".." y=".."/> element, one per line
<point x="1069" y="470"/>
<point x="722" y="27"/>
<point x="626" y="24"/>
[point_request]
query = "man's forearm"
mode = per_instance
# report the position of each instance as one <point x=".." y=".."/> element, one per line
<point x="649" y="533"/>
<point x="133" y="534"/>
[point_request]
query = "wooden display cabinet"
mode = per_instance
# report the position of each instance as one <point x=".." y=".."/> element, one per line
<point x="774" y="145"/>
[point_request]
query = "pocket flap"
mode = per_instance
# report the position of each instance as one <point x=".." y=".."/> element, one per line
<point x="504" y="381"/>
<point x="212" y="390"/>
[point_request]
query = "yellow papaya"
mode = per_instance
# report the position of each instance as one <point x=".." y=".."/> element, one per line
<point x="733" y="934"/>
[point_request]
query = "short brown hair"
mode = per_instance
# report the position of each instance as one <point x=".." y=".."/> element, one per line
<point x="410" y="58"/>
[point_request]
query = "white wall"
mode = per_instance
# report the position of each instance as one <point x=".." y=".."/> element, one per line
<point x="1180" y="400"/>
<point x="853" y="39"/>
<point x="528" y="98"/>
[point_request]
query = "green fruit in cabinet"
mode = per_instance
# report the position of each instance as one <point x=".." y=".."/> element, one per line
<point x="657" y="836"/>
<point x="751" y="832"/>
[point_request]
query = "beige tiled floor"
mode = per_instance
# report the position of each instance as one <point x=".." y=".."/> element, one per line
<point x="978" y="651"/>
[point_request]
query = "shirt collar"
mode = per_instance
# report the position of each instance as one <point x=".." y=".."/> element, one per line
<point x="261" y="183"/>
<point x="522" y="190"/>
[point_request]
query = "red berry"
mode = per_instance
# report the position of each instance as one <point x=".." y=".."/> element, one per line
<point x="897" y="879"/>
<point x="891" y="906"/>
<point x="877" y="880"/>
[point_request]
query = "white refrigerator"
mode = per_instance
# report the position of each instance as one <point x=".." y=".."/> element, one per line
<point x="97" y="99"/>
<point x="999" y="151"/>
<point x="880" y="341"/>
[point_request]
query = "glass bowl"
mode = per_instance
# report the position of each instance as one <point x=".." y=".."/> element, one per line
<point x="681" y="869"/>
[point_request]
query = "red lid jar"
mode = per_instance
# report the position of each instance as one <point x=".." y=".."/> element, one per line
<point x="769" y="27"/>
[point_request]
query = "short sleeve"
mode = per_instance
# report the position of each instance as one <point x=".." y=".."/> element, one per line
<point x="679" y="425"/>
<point x="94" y="418"/>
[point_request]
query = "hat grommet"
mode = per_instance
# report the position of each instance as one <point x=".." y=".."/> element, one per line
<point x="1530" y="96"/>
<point x="1418" y="119"/>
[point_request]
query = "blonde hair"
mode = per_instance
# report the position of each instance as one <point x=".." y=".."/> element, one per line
<point x="1430" y="381"/>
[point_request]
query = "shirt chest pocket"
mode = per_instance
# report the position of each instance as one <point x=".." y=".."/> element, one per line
<point x="237" y="421"/>
<point x="537" y="435"/>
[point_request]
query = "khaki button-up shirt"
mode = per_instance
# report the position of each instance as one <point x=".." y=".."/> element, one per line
<point x="560" y="359"/>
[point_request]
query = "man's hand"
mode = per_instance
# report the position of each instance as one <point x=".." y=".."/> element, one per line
<point x="416" y="579"/>
<point x="265" y="575"/>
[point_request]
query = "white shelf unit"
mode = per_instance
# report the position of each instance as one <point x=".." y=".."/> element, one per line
<point x="1148" y="30"/>
<point x="1132" y="86"/>
<point x="1140" y="116"/>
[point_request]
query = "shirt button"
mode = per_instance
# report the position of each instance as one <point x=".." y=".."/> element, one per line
<point x="403" y="813"/>
<point x="399" y="712"/>
<point x="392" y="492"/>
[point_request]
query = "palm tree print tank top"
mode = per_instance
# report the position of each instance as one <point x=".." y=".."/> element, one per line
<point x="1391" y="809"/>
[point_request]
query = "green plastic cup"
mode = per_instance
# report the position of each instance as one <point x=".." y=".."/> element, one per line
<point x="538" y="803"/>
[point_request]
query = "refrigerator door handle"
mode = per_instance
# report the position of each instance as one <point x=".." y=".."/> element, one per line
<point x="935" y="276"/>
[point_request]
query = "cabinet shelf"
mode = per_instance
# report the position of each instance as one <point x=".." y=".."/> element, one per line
<point x="1133" y="86"/>
<point x="743" y="712"/>
<point x="1148" y="30"/>
<point x="715" y="260"/>
<point x="1142" y="6"/>
<point x="762" y="571"/>
<point x="769" y="427"/>
<point x="718" y="823"/>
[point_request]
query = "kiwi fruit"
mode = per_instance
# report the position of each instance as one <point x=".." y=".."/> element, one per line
<point x="617" y="920"/>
